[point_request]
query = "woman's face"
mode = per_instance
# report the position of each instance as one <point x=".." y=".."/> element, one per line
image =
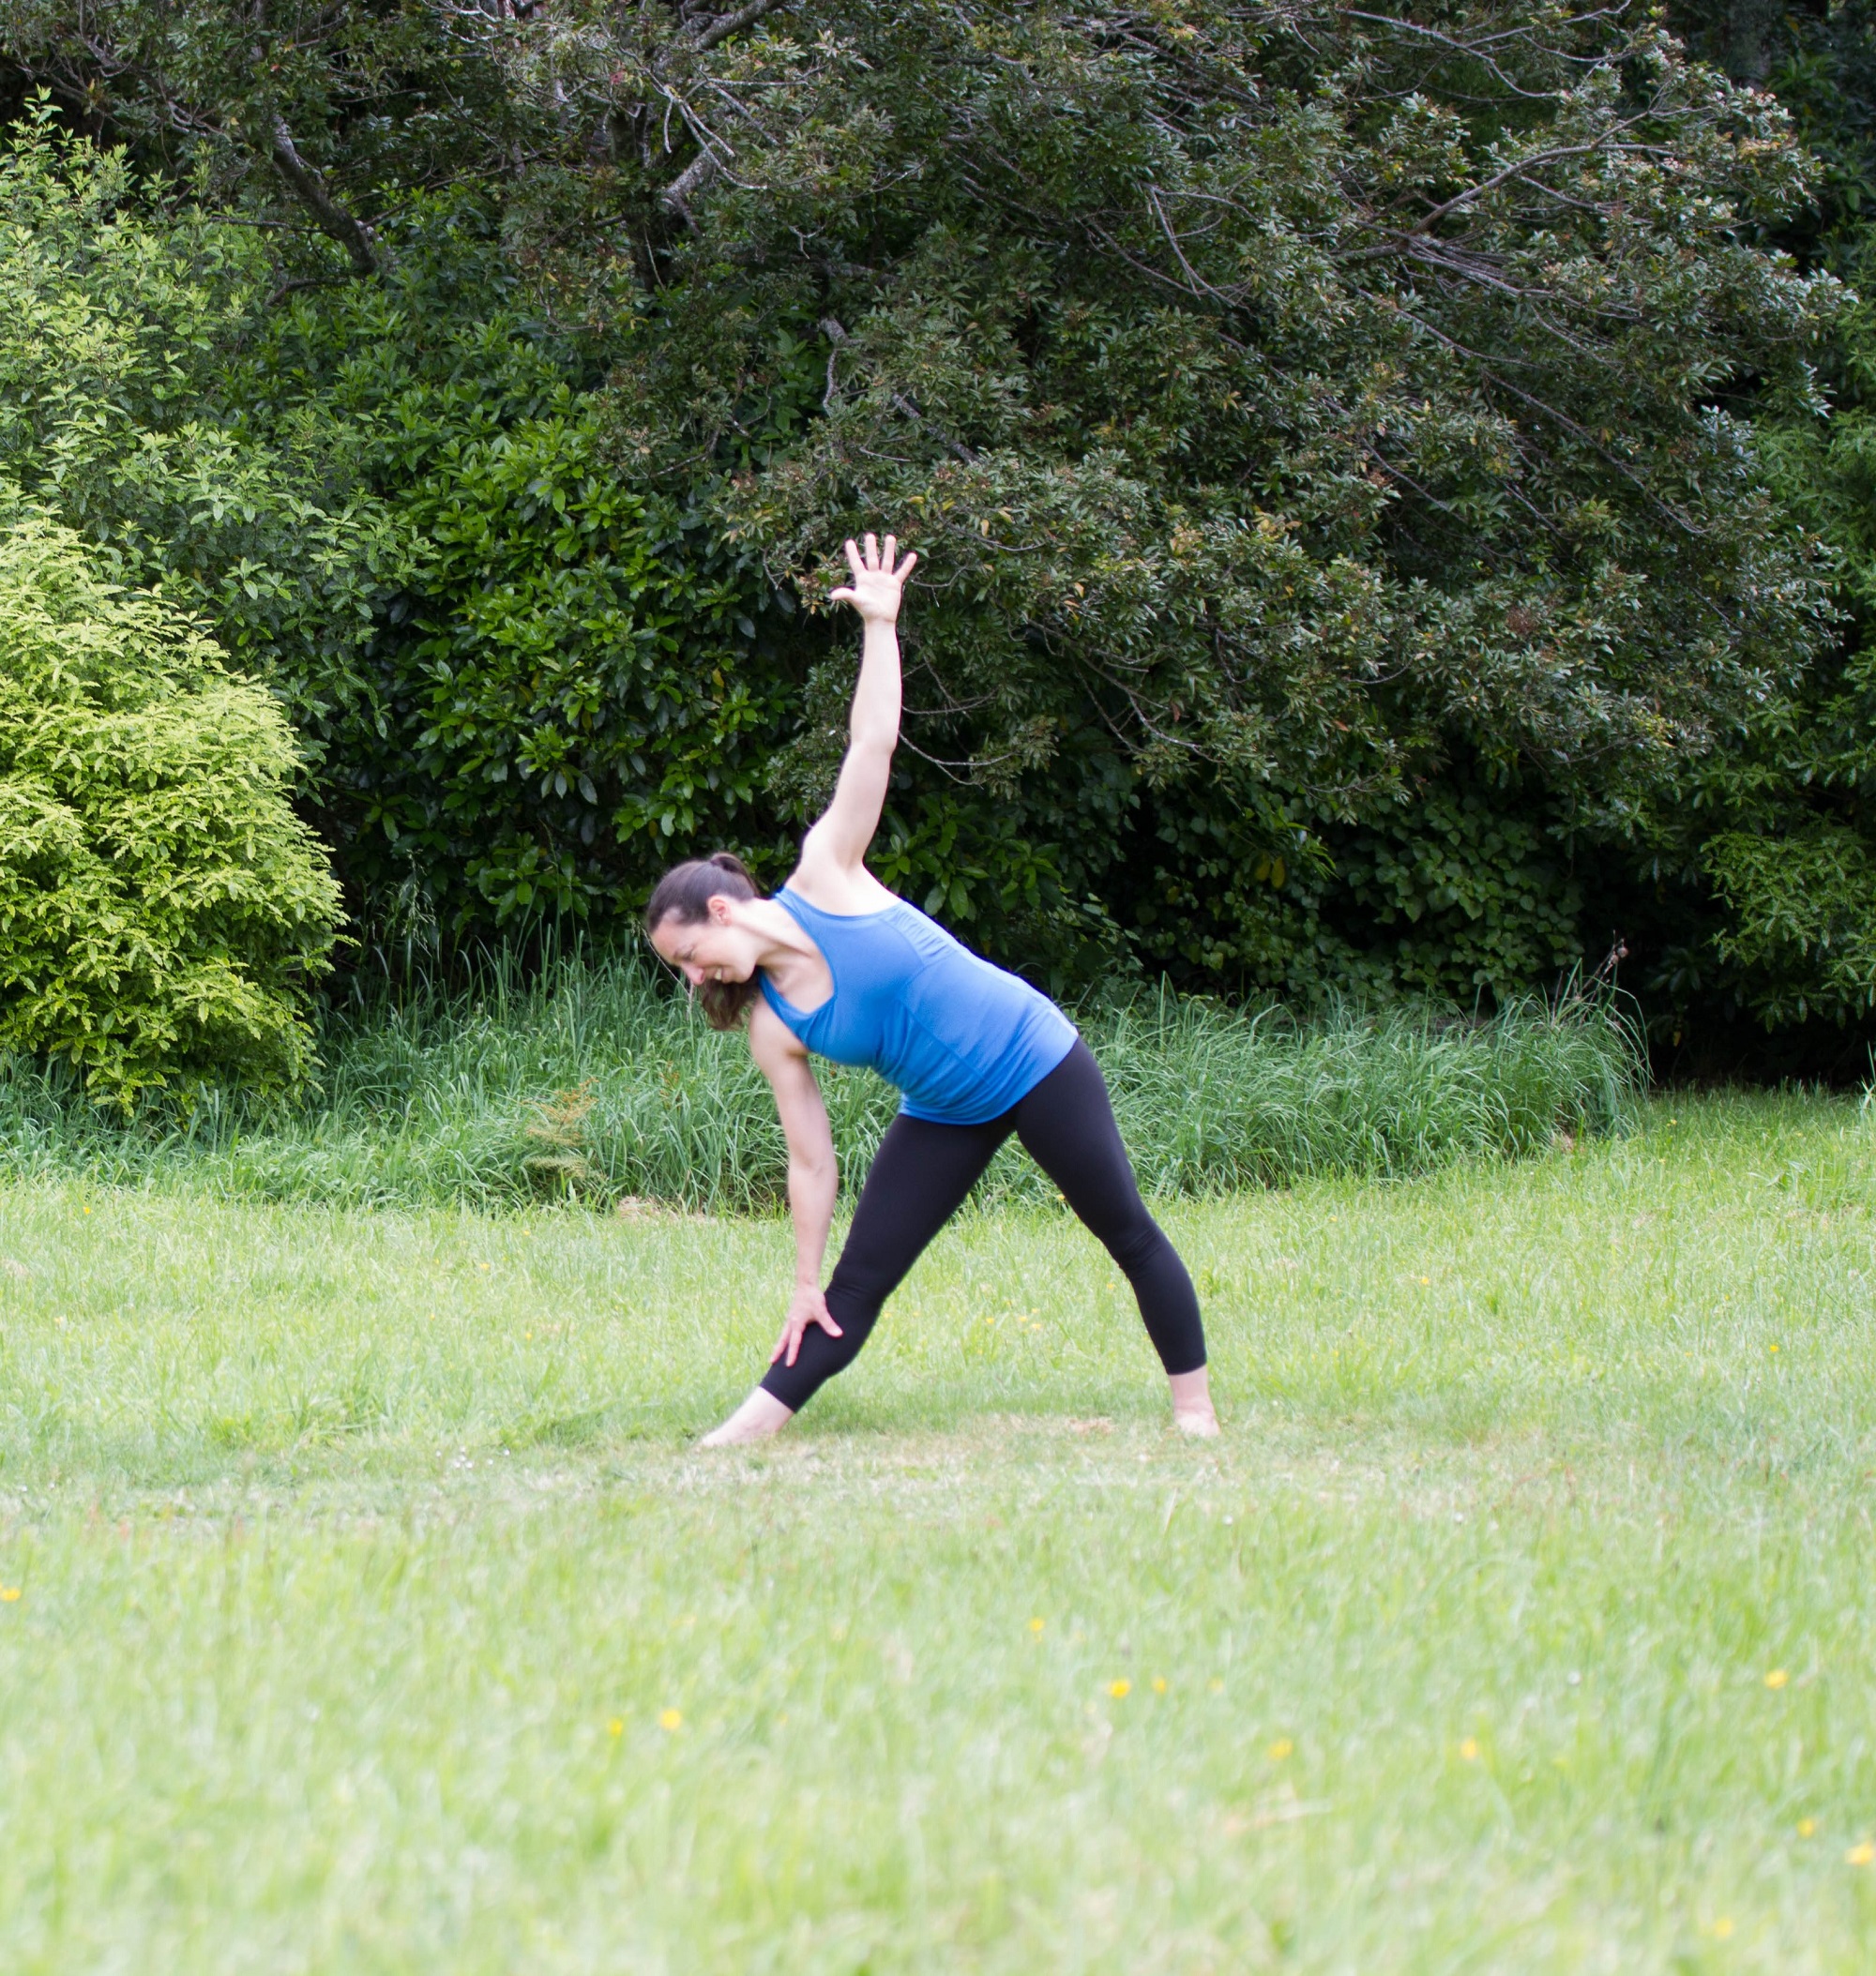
<point x="713" y="949"/>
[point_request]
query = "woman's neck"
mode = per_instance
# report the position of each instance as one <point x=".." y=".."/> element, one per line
<point x="788" y="954"/>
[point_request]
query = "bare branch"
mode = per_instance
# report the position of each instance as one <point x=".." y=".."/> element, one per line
<point x="677" y="195"/>
<point x="727" y="24"/>
<point x="352" y="234"/>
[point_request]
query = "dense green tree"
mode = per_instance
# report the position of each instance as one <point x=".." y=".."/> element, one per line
<point x="1312" y="420"/>
<point x="1764" y="853"/>
<point x="1323" y="428"/>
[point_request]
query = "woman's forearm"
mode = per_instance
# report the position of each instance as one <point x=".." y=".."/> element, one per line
<point x="874" y="720"/>
<point x="811" y="1188"/>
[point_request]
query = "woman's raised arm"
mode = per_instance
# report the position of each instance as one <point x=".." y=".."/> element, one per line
<point x="838" y="841"/>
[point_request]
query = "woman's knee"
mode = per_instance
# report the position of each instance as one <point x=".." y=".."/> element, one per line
<point x="1136" y="1241"/>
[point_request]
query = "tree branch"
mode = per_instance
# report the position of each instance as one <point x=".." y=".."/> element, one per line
<point x="725" y="25"/>
<point x="354" y="235"/>
<point x="677" y="195"/>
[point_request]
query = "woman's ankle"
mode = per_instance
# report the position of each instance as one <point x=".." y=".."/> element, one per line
<point x="759" y="1416"/>
<point x="1192" y="1411"/>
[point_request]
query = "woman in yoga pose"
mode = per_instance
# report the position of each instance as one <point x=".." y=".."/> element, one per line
<point x="836" y="965"/>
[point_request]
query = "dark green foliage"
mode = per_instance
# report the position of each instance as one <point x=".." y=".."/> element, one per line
<point x="1451" y="892"/>
<point x="322" y="119"/>
<point x="573" y="694"/>
<point x="1348" y="557"/>
<point x="1311" y="426"/>
<point x="161" y="909"/>
<point x="1767" y="856"/>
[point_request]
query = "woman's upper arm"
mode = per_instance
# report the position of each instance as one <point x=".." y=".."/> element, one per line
<point x="846" y="827"/>
<point x="783" y="1061"/>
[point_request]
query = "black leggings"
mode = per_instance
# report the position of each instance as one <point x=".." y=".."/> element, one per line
<point x="919" y="1180"/>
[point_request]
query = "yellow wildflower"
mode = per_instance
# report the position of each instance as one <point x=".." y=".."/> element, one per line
<point x="1120" y="1689"/>
<point x="1777" y="1678"/>
<point x="670" y="1719"/>
<point x="1280" y="1749"/>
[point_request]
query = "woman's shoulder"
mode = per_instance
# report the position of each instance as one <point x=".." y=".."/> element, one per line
<point x="771" y="1039"/>
<point x="829" y="888"/>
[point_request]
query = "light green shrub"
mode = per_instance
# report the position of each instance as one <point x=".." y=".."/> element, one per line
<point x="162" y="907"/>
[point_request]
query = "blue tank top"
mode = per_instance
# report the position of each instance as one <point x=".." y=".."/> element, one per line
<point x="961" y="1039"/>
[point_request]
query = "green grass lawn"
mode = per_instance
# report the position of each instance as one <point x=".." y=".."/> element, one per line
<point x="362" y="1606"/>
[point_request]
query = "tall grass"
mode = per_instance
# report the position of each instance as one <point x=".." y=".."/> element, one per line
<point x="594" y="1080"/>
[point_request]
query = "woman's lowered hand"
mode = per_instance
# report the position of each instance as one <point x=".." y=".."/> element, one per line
<point x="807" y="1306"/>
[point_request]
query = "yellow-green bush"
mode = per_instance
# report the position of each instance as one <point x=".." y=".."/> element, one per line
<point x="162" y="907"/>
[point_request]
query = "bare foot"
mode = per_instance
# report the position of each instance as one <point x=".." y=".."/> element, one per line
<point x="1192" y="1403"/>
<point x="758" y="1417"/>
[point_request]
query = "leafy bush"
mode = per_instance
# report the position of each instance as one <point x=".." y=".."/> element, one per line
<point x="593" y="1081"/>
<point x="161" y="908"/>
<point x="525" y="685"/>
<point x="121" y="311"/>
<point x="567" y="698"/>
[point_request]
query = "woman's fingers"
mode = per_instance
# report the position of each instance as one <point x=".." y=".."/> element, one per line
<point x="876" y="558"/>
<point x="795" y="1329"/>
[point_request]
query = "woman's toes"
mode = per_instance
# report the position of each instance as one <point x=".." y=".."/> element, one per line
<point x="1203" y="1425"/>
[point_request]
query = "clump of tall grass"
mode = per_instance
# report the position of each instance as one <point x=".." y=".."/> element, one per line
<point x="593" y="1080"/>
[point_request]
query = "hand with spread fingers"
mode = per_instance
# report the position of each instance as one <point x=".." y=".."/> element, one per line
<point x="879" y="579"/>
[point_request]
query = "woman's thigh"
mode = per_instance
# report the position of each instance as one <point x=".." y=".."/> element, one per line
<point x="1067" y="1125"/>
<point x="918" y="1179"/>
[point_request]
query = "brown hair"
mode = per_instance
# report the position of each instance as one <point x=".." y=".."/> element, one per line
<point x="684" y="894"/>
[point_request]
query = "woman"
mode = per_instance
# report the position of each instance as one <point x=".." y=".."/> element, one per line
<point x="836" y="964"/>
